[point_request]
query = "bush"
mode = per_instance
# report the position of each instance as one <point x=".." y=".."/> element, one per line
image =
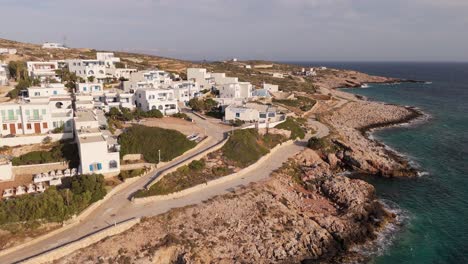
<point x="130" y="174"/>
<point x="54" y="204"/>
<point x="202" y="105"/>
<point x="197" y="165"/>
<point x="236" y="122"/>
<point x="243" y="147"/>
<point x="61" y="152"/>
<point x="316" y="143"/>
<point x="182" y="116"/>
<point x="148" y="140"/>
<point x="294" y="126"/>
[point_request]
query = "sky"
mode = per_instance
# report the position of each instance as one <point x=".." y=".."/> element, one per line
<point x="281" y="30"/>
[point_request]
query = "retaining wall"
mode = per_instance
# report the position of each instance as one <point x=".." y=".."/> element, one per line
<point x="39" y="168"/>
<point x="27" y="140"/>
<point x="83" y="242"/>
<point x="224" y="179"/>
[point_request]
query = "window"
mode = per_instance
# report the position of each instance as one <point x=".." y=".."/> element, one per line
<point x="11" y="115"/>
<point x="44" y="125"/>
<point x="37" y="94"/>
<point x="271" y="114"/>
<point x="54" y="124"/>
<point x="20" y="126"/>
<point x="28" y="126"/>
<point x="160" y="107"/>
<point x="5" y="127"/>
<point x="55" y="92"/>
<point x="84" y="88"/>
<point x="263" y="115"/>
<point x="27" y="113"/>
<point x="3" y="113"/>
<point x="43" y="111"/>
<point x="112" y="164"/>
<point x="237" y="115"/>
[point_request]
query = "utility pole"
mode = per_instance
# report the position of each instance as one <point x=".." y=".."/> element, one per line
<point x="159" y="154"/>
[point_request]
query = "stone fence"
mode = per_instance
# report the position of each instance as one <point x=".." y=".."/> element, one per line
<point x="224" y="179"/>
<point x="39" y="168"/>
<point x="83" y="242"/>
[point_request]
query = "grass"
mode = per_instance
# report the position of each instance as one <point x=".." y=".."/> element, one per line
<point x="243" y="147"/>
<point x="130" y="174"/>
<point x="293" y="125"/>
<point x="148" y="141"/>
<point x="62" y="151"/>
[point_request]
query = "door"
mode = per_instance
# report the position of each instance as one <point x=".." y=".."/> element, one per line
<point x="12" y="129"/>
<point x="37" y="128"/>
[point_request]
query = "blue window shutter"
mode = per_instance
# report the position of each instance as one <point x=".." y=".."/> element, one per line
<point x="91" y="167"/>
<point x="99" y="166"/>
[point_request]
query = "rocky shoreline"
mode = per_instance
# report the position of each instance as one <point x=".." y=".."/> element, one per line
<point x="307" y="212"/>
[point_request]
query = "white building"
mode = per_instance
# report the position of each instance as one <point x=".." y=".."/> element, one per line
<point x="52" y="45"/>
<point x="4" y="74"/>
<point x="43" y="69"/>
<point x="94" y="88"/>
<point x="200" y="76"/>
<point x="45" y="109"/>
<point x="147" y="79"/>
<point x="125" y="73"/>
<point x="236" y="90"/>
<point x="100" y="68"/>
<point x="185" y="90"/>
<point x="7" y="51"/>
<point x="278" y="75"/>
<point x="252" y="112"/>
<point x="98" y="150"/>
<point x="161" y="99"/>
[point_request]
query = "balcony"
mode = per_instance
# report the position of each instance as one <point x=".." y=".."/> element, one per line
<point x="35" y="118"/>
<point x="10" y="119"/>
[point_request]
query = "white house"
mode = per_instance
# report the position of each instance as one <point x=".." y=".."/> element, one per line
<point x="52" y="45"/>
<point x="98" y="150"/>
<point x="252" y="112"/>
<point x="185" y="90"/>
<point x="94" y="88"/>
<point x="45" y="109"/>
<point x="125" y="73"/>
<point x="7" y="51"/>
<point x="147" y="79"/>
<point x="200" y="76"/>
<point x="43" y="69"/>
<point x="236" y="90"/>
<point x="278" y="75"/>
<point x="4" y="74"/>
<point x="101" y="68"/>
<point x="163" y="100"/>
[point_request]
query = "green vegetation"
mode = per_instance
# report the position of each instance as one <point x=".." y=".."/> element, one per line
<point x="244" y="147"/>
<point x="116" y="116"/>
<point x="54" y="205"/>
<point x="182" y="116"/>
<point x="130" y="174"/>
<point x="148" y="140"/>
<point x="293" y="125"/>
<point x="19" y="72"/>
<point x="187" y="176"/>
<point x="324" y="145"/>
<point x="301" y="102"/>
<point x="202" y="105"/>
<point x="61" y="151"/>
<point x="236" y="122"/>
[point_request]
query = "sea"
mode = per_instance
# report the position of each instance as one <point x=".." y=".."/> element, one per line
<point x="433" y="208"/>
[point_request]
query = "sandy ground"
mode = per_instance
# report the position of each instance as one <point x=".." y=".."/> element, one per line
<point x="183" y="126"/>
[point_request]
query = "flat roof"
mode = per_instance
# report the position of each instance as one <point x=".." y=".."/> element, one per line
<point x="84" y="116"/>
<point x="91" y="139"/>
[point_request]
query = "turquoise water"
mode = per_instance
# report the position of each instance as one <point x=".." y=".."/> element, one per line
<point x="436" y="204"/>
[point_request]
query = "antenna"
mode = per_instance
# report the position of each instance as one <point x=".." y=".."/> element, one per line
<point x="65" y="40"/>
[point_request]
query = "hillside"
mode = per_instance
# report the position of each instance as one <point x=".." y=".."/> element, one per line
<point x="31" y="52"/>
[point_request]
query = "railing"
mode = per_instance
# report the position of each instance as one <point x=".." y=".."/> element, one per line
<point x="35" y="118"/>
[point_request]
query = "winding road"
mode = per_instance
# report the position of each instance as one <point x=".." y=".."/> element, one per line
<point x="118" y="207"/>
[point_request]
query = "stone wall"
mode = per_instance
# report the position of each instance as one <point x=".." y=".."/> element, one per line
<point x="38" y="168"/>
<point x="67" y="249"/>
<point x="132" y="157"/>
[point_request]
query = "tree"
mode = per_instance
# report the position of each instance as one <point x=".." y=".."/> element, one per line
<point x="91" y="79"/>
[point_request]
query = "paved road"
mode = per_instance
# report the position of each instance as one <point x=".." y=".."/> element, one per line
<point x="109" y="211"/>
<point x="119" y="208"/>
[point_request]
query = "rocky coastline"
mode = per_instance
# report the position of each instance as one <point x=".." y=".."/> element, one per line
<point x="306" y="212"/>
